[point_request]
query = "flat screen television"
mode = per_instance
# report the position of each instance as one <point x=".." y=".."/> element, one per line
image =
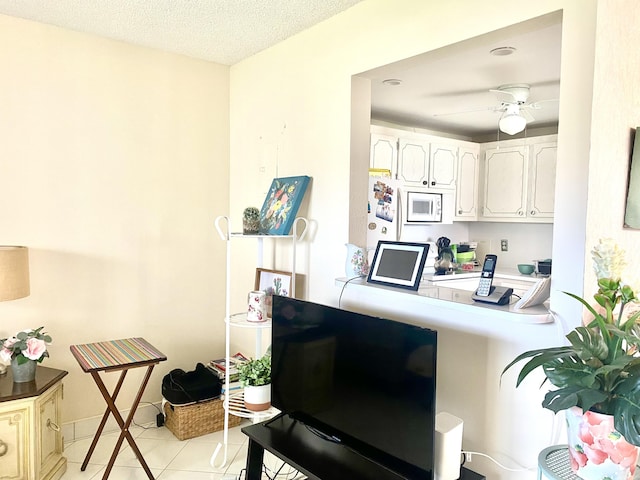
<point x="363" y="381"/>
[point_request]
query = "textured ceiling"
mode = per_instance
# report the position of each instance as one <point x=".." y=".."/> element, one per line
<point x="221" y="31"/>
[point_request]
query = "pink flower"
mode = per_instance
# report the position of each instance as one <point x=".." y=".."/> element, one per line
<point x="577" y="459"/>
<point x="5" y="355"/>
<point x="35" y="348"/>
<point x="8" y="343"/>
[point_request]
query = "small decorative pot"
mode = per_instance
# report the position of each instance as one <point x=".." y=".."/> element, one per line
<point x="596" y="450"/>
<point x="257" y="399"/>
<point x="25" y="372"/>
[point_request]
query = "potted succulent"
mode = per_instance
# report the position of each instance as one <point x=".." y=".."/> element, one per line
<point x="597" y="376"/>
<point x="250" y="221"/>
<point x="255" y="377"/>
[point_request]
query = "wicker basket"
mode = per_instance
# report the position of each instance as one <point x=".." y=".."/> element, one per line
<point x="189" y="421"/>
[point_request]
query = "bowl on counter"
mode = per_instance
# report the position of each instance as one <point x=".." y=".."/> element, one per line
<point x="526" y="268"/>
<point x="465" y="257"/>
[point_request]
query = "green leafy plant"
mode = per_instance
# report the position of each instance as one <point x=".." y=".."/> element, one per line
<point x="255" y="373"/>
<point x="600" y="368"/>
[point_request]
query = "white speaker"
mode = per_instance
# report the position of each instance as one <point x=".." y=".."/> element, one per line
<point x="448" y="445"/>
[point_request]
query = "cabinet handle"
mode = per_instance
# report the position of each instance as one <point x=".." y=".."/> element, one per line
<point x="520" y="212"/>
<point x="533" y="212"/>
<point x="459" y="212"/>
<point x="52" y="425"/>
<point x="424" y="182"/>
<point x="3" y="448"/>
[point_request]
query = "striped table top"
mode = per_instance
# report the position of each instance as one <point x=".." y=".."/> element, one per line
<point x="113" y="354"/>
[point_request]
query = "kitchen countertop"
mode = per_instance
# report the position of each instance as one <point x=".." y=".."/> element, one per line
<point x="432" y="292"/>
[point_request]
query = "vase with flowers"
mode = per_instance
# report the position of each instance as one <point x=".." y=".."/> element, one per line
<point x="597" y="376"/>
<point x="23" y="351"/>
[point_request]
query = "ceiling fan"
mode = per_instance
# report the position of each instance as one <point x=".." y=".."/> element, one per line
<point x="513" y="105"/>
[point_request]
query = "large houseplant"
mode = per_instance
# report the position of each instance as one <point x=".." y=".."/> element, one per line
<point x="255" y="377"/>
<point x="599" y="371"/>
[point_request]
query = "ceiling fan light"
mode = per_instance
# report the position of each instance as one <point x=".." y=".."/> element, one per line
<point x="512" y="123"/>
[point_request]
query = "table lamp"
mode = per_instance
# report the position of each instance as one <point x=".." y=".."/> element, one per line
<point x="14" y="275"/>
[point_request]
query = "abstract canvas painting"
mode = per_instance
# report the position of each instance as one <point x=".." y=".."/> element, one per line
<point x="281" y="205"/>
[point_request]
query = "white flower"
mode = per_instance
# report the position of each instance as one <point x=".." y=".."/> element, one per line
<point x="608" y="259"/>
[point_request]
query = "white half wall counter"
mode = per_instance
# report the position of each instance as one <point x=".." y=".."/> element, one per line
<point x="475" y="342"/>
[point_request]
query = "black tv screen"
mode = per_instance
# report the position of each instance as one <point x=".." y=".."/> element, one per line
<point x="363" y="381"/>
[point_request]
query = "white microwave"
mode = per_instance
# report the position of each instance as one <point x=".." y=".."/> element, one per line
<point x="423" y="207"/>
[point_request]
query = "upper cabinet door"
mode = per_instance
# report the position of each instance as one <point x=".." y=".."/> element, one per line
<point x="467" y="184"/>
<point x="442" y="167"/>
<point x="413" y="162"/>
<point x="505" y="182"/>
<point x="542" y="180"/>
<point x="384" y="153"/>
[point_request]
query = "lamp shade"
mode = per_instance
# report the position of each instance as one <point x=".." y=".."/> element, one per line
<point x="512" y="123"/>
<point x="14" y="272"/>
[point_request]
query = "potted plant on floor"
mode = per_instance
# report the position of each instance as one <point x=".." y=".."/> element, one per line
<point x="598" y="375"/>
<point x="255" y="377"/>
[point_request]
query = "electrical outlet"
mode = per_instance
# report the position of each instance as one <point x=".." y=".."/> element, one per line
<point x="468" y="457"/>
<point x="504" y="245"/>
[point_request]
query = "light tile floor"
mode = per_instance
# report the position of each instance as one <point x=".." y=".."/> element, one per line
<point x="169" y="458"/>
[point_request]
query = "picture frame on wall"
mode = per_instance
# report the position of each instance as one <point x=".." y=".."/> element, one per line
<point x="273" y="282"/>
<point x="398" y="264"/>
<point x="281" y="205"/>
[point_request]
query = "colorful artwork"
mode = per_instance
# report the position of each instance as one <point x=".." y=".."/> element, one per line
<point x="281" y="205"/>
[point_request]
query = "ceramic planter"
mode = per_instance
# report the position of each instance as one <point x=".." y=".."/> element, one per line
<point x="597" y="451"/>
<point x="257" y="399"/>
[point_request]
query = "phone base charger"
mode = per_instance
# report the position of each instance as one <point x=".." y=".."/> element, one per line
<point x="497" y="296"/>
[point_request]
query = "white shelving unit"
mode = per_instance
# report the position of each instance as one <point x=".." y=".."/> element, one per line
<point x="234" y="403"/>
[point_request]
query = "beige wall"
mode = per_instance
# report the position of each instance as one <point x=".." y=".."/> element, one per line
<point x="616" y="114"/>
<point x="291" y="114"/>
<point x="113" y="165"/>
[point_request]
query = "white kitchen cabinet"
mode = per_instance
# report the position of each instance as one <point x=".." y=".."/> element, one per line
<point x="443" y="163"/>
<point x="384" y="153"/>
<point x="468" y="176"/>
<point x="31" y="444"/>
<point x="519" y="180"/>
<point x="542" y="180"/>
<point x="505" y="182"/>
<point x="413" y="162"/>
<point x="415" y="159"/>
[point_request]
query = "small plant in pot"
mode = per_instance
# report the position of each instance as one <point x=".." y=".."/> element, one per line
<point x="597" y="376"/>
<point x="255" y="377"/>
<point x="250" y="221"/>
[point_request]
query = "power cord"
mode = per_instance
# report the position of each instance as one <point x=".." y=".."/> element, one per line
<point x="158" y="423"/>
<point x="468" y="454"/>
<point x="345" y="285"/>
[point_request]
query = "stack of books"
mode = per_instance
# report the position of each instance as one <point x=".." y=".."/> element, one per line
<point x="221" y="369"/>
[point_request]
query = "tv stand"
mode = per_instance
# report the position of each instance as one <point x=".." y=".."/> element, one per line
<point x="318" y="459"/>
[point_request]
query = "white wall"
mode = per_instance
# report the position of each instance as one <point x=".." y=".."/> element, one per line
<point x="305" y="84"/>
<point x="113" y="165"/>
<point x="616" y="114"/>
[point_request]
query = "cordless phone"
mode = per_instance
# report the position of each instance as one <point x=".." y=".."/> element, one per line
<point x="486" y="277"/>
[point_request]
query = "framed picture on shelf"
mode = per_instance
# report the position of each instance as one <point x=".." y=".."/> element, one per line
<point x="398" y="264"/>
<point x="273" y="282"/>
<point x="281" y="205"/>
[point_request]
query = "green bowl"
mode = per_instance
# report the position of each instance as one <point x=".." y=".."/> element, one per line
<point x="525" y="268"/>
<point x="465" y="257"/>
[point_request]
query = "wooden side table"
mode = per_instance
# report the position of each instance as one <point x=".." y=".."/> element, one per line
<point x="31" y="443"/>
<point x="113" y="355"/>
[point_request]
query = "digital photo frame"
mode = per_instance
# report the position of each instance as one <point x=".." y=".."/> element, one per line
<point x="398" y="264"/>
